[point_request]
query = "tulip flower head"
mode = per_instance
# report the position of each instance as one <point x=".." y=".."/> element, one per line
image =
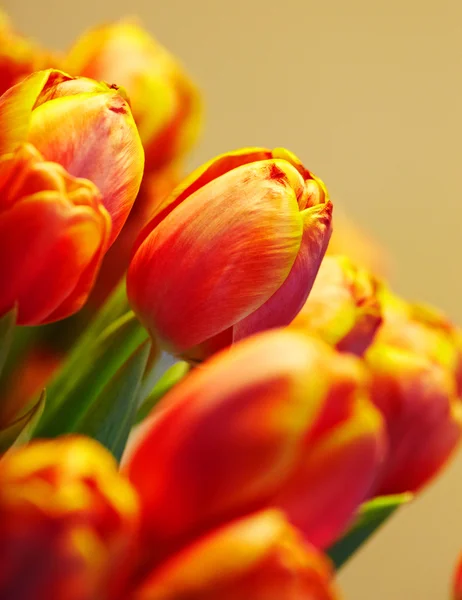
<point x="234" y="250"/>
<point x="457" y="585"/>
<point x="253" y="428"/>
<point x="84" y="126"/>
<point x="54" y="231"/>
<point x="67" y="522"/>
<point x="343" y="307"/>
<point x="415" y="365"/>
<point x="166" y="104"/>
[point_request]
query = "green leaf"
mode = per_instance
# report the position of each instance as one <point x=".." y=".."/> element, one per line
<point x="21" y="430"/>
<point x="85" y="374"/>
<point x="7" y="328"/>
<point x="112" y="415"/>
<point x="371" y="516"/>
<point x="168" y="380"/>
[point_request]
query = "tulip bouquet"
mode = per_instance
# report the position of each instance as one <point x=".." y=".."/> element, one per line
<point x="200" y="397"/>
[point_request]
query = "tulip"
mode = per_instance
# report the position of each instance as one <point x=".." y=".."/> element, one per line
<point x="67" y="522"/>
<point x="166" y="104"/>
<point x="415" y="364"/>
<point x="343" y="307"/>
<point x="457" y="584"/>
<point x="278" y="420"/>
<point x="20" y="56"/>
<point x="260" y="557"/>
<point x="234" y="250"/>
<point x="53" y="234"/>
<point x="82" y="125"/>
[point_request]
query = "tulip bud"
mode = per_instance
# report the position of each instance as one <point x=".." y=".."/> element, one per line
<point x="82" y="125"/>
<point x="343" y="307"/>
<point x="260" y="557"/>
<point x="457" y="584"/>
<point x="20" y="56"/>
<point x="253" y="428"/>
<point x="415" y="364"/>
<point x="67" y="522"/>
<point x="166" y="104"/>
<point x="53" y="234"/>
<point x="234" y="250"/>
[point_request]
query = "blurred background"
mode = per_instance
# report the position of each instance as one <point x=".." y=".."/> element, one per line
<point x="368" y="94"/>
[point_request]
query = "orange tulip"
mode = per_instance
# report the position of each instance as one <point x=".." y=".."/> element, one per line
<point x="53" y="234"/>
<point x="260" y="557"/>
<point x="415" y="363"/>
<point x="20" y="56"/>
<point x="166" y="104"/>
<point x="457" y="584"/>
<point x="277" y="420"/>
<point x="84" y="126"/>
<point x="233" y="250"/>
<point x="67" y="522"/>
<point x="343" y="307"/>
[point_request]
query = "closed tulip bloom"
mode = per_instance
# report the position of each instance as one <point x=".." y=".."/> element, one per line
<point x="54" y="231"/>
<point x="166" y="104"/>
<point x="343" y="307"/>
<point x="415" y="364"/>
<point x="85" y="126"/>
<point x="67" y="522"/>
<point x="253" y="428"/>
<point x="19" y="56"/>
<point x="260" y="557"/>
<point x="234" y="250"/>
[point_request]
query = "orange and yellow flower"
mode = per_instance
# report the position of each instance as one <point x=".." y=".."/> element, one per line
<point x="166" y="104"/>
<point x="54" y="231"/>
<point x="343" y="307"/>
<point x="234" y="250"/>
<point x="85" y="126"/>
<point x="68" y="522"/>
<point x="279" y="420"/>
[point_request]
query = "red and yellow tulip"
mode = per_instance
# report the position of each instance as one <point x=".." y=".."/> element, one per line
<point x="415" y="364"/>
<point x="84" y="126"/>
<point x="68" y="522"/>
<point x="54" y="231"/>
<point x="278" y="420"/>
<point x="234" y="250"/>
<point x="343" y="307"/>
<point x="166" y="104"/>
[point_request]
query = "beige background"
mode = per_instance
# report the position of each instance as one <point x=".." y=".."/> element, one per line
<point x="369" y="95"/>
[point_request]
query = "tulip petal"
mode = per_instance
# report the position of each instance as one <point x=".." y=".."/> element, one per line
<point x="94" y="137"/>
<point x="423" y="415"/>
<point x="257" y="558"/>
<point x="16" y="105"/>
<point x="227" y="435"/>
<point x="287" y="301"/>
<point x="201" y="176"/>
<point x="245" y="226"/>
<point x="61" y="240"/>
<point x="336" y="476"/>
